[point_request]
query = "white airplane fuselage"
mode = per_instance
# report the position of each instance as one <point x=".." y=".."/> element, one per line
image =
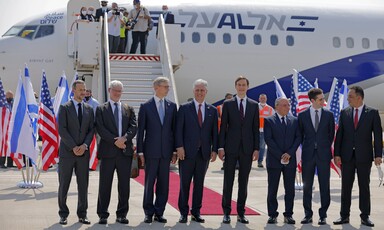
<point x="221" y="42"/>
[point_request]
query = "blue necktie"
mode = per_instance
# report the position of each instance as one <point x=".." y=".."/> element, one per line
<point x="116" y="115"/>
<point x="161" y="111"/>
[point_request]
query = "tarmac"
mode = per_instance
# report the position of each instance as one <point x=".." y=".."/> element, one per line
<point x="38" y="209"/>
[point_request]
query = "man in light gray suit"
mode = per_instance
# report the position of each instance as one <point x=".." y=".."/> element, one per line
<point x="76" y="130"/>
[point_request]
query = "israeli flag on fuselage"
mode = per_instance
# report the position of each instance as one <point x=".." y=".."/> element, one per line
<point x="21" y="136"/>
<point x="62" y="94"/>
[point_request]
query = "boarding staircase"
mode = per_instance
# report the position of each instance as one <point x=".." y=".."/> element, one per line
<point x="137" y="73"/>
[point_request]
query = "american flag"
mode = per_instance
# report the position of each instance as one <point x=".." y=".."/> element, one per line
<point x="5" y="115"/>
<point x="48" y="127"/>
<point x="303" y="86"/>
<point x="334" y="106"/>
<point x="293" y="99"/>
<point x="93" y="154"/>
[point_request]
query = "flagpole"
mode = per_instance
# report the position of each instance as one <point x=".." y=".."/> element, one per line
<point x="38" y="169"/>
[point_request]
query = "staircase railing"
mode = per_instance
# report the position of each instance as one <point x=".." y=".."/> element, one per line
<point x="165" y="58"/>
<point x="104" y="61"/>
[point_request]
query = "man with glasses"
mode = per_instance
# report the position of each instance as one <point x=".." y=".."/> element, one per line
<point x="317" y="126"/>
<point x="156" y="148"/>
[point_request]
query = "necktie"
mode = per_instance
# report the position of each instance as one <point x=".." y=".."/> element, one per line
<point x="317" y="120"/>
<point x="283" y="123"/>
<point x="79" y="113"/>
<point x="241" y="110"/>
<point x="356" y="121"/>
<point x="200" y="116"/>
<point x="116" y="115"/>
<point x="161" y="111"/>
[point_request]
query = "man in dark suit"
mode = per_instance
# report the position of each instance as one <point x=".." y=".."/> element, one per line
<point x="76" y="130"/>
<point x="282" y="135"/>
<point x="116" y="125"/>
<point x="354" y="150"/>
<point x="317" y="127"/>
<point x="169" y="18"/>
<point x="196" y="143"/>
<point x="155" y="146"/>
<point x="100" y="12"/>
<point x="238" y="141"/>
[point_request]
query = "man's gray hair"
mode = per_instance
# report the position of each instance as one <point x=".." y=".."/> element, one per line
<point x="160" y="80"/>
<point x="115" y="83"/>
<point x="280" y="99"/>
<point x="200" y="82"/>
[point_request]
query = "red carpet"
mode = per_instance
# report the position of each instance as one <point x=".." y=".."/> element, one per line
<point x="211" y="199"/>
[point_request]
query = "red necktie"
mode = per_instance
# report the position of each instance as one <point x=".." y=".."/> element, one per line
<point x="241" y="110"/>
<point x="200" y="116"/>
<point x="356" y="121"/>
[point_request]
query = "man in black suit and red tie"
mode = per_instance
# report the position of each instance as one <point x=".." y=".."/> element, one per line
<point x="238" y="141"/>
<point x="282" y="135"/>
<point x="355" y="152"/>
<point x="196" y="143"/>
<point x="116" y="125"/>
<point x="317" y="127"/>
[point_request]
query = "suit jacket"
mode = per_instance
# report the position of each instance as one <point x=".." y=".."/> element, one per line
<point x="155" y="140"/>
<point x="169" y="19"/>
<point x="234" y="132"/>
<point x="99" y="13"/>
<point x="72" y="133"/>
<point x="323" y="138"/>
<point x="348" y="138"/>
<point x="280" y="141"/>
<point x="106" y="127"/>
<point x="189" y="134"/>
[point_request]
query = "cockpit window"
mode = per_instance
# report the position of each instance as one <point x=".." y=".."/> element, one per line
<point x="44" y="31"/>
<point x="27" y="32"/>
<point x="13" y="31"/>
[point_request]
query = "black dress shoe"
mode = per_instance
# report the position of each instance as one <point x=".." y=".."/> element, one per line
<point x="289" y="220"/>
<point x="84" y="220"/>
<point x="63" y="220"/>
<point x="226" y="219"/>
<point x="322" y="221"/>
<point x="367" y="222"/>
<point x="197" y="218"/>
<point x="306" y="220"/>
<point x="242" y="219"/>
<point x="122" y="220"/>
<point x="183" y="219"/>
<point x="341" y="220"/>
<point x="148" y="219"/>
<point x="160" y="219"/>
<point x="103" y="221"/>
<point x="272" y="220"/>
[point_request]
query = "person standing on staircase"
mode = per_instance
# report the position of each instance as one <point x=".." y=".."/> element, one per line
<point x="139" y="16"/>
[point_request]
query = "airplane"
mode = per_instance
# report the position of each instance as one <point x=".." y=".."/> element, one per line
<point x="221" y="40"/>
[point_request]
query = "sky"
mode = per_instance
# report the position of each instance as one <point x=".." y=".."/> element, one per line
<point x="31" y="7"/>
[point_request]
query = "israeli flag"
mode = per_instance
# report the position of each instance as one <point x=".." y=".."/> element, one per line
<point x="22" y="139"/>
<point x="32" y="105"/>
<point x="279" y="91"/>
<point x="62" y="94"/>
<point x="343" y="95"/>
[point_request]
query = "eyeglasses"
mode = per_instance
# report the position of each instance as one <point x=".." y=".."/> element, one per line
<point x="164" y="86"/>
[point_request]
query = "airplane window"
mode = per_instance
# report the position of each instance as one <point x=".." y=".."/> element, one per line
<point x="226" y="38"/>
<point x="365" y="43"/>
<point x="13" y="31"/>
<point x="336" y="42"/>
<point x="242" y="39"/>
<point x="44" y="30"/>
<point x="195" y="37"/>
<point x="27" y="32"/>
<point x="257" y="39"/>
<point x="182" y="37"/>
<point x="380" y="43"/>
<point x="290" y="41"/>
<point x="211" y="38"/>
<point x="350" y="43"/>
<point x="274" y="40"/>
